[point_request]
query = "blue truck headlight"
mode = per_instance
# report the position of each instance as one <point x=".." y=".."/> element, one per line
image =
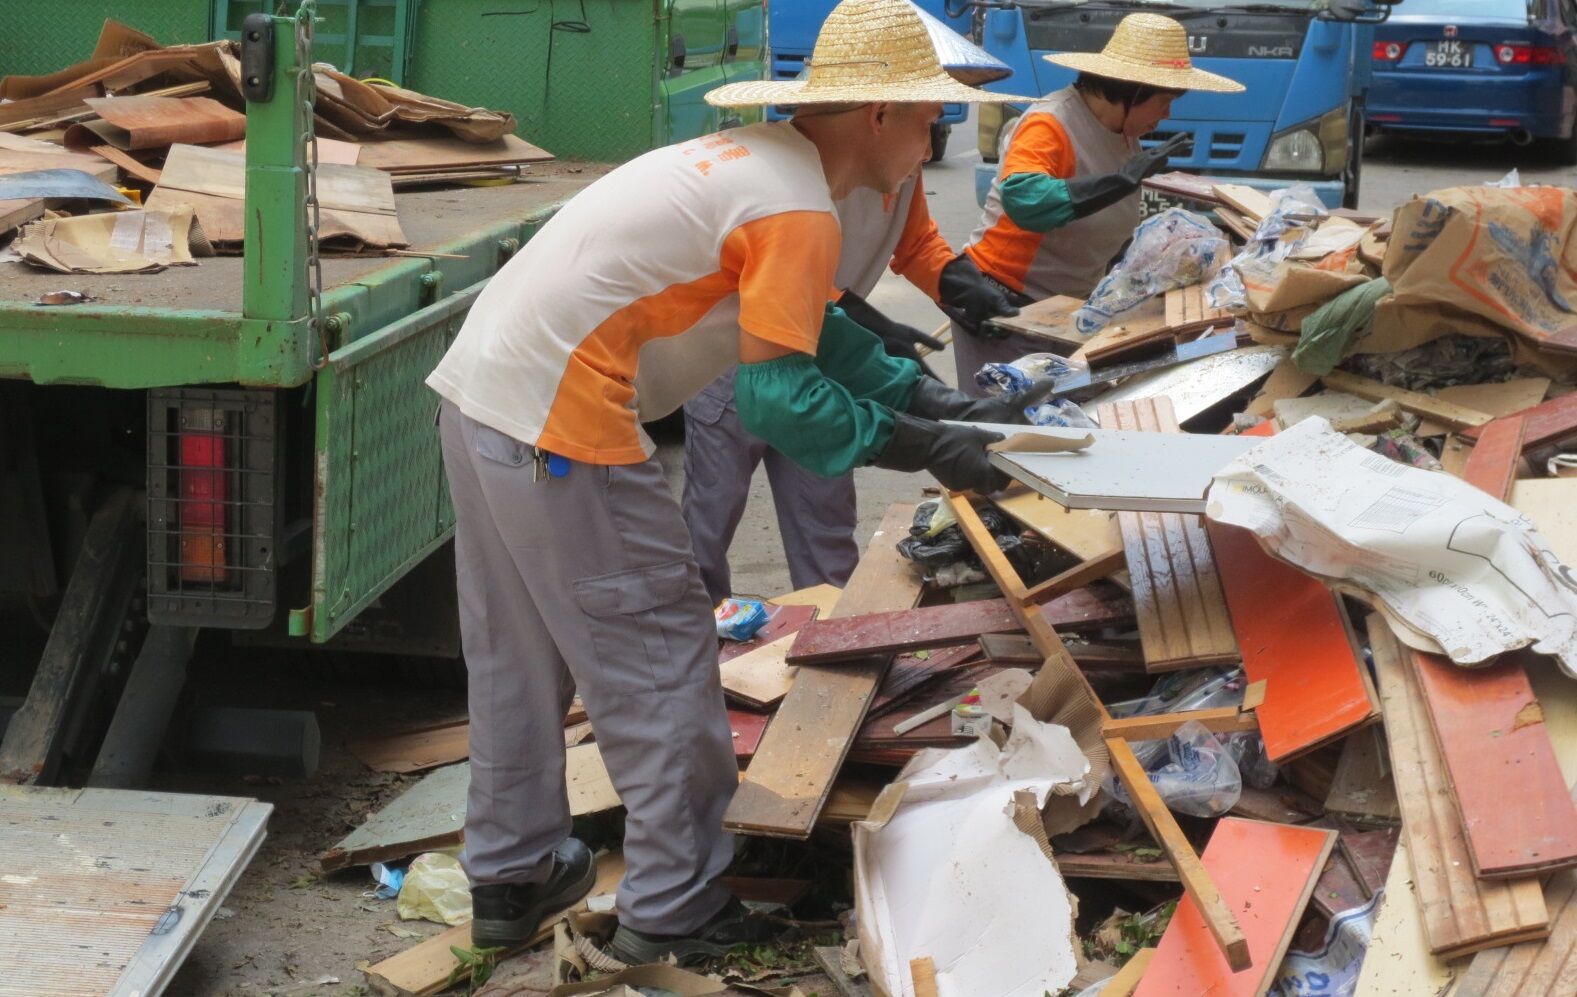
<point x="1318" y="146"/>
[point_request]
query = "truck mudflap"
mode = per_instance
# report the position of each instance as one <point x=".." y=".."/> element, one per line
<point x="380" y="500"/>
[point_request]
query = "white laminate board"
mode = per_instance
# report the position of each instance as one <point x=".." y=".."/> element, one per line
<point x="1123" y="470"/>
<point x="1197" y="385"/>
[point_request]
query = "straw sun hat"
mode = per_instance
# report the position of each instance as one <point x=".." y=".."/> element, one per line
<point x="868" y="50"/>
<point x="1148" y="49"/>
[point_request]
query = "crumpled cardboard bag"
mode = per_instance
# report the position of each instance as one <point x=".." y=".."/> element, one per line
<point x="1484" y="261"/>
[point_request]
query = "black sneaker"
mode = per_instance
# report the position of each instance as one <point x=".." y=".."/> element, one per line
<point x="508" y="914"/>
<point x="734" y="925"/>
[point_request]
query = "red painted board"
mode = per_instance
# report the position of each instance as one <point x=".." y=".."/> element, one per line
<point x="784" y="621"/>
<point x="1266" y="874"/>
<point x="1492" y="466"/>
<point x="910" y="673"/>
<point x="1547" y="422"/>
<point x="748" y="728"/>
<point x="1516" y="808"/>
<point x="853" y="637"/>
<point x="1293" y="634"/>
<point x="1266" y="428"/>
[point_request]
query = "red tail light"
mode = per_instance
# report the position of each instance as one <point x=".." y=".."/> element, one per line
<point x="1527" y="55"/>
<point x="1389" y="51"/>
<point x="202" y="479"/>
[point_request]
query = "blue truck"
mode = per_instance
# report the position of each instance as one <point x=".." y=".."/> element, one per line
<point x="1306" y="67"/>
<point x="792" y="26"/>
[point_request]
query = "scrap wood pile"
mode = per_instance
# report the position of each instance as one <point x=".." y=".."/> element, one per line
<point x="1259" y="674"/>
<point x="134" y="159"/>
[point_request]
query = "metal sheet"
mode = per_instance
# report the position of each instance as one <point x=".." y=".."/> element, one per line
<point x="1194" y="387"/>
<point x="57" y="183"/>
<point x="106" y="891"/>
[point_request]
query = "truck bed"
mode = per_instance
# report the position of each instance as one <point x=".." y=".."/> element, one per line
<point x="431" y="219"/>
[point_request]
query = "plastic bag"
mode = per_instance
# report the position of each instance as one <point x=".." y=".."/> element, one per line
<point x="740" y="619"/>
<point x="1002" y="378"/>
<point x="1175" y="248"/>
<point x="1198" y="777"/>
<point x="435" y="889"/>
<point x="1278" y="235"/>
<point x="1202" y="690"/>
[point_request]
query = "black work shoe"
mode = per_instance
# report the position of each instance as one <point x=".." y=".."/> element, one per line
<point x="508" y="914"/>
<point x="734" y="925"/>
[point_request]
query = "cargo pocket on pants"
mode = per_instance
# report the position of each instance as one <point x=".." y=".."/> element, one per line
<point x="639" y="626"/>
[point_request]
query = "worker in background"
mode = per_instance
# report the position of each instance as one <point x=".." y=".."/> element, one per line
<point x="1072" y="166"/>
<point x="817" y="515"/>
<point x="573" y="563"/>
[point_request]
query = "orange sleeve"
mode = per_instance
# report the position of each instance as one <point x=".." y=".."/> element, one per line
<point x="921" y="252"/>
<point x="1040" y="145"/>
<point x="784" y="265"/>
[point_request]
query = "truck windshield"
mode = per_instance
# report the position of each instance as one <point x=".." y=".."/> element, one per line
<point x="1466" y="8"/>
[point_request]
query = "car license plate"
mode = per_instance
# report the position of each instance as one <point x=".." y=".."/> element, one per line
<point x="1450" y="53"/>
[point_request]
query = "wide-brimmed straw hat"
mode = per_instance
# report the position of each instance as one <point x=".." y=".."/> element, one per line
<point x="1149" y="49"/>
<point x="868" y="50"/>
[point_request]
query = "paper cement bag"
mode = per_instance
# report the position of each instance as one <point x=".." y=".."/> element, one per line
<point x="1451" y="567"/>
<point x="1482" y="261"/>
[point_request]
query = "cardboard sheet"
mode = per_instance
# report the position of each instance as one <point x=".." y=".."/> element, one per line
<point x="956" y="872"/>
<point x="114" y="242"/>
<point x="1453" y="569"/>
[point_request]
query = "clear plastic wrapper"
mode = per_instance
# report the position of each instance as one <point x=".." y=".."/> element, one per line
<point x="1198" y="777"/>
<point x="1279" y="234"/>
<point x="1175" y="248"/>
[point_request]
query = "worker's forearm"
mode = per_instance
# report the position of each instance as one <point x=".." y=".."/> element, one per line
<point x="854" y="356"/>
<point x="1037" y="202"/>
<point x="810" y="418"/>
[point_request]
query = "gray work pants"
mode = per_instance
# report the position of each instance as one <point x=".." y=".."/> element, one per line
<point x="816" y="516"/>
<point x="587" y="582"/>
<point x="971" y="353"/>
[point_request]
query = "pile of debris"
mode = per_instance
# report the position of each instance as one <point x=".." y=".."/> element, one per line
<point x="134" y="160"/>
<point x="1270" y="643"/>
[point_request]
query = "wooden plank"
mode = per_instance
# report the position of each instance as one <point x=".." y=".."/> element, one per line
<point x="1221" y="719"/>
<point x="426" y="967"/>
<point x="762" y="677"/>
<point x="1398" y="962"/>
<point x="1092" y="569"/>
<point x="1456" y="416"/>
<point x="1203" y="898"/>
<point x="1461" y="914"/>
<point x="804" y="746"/>
<point x="1114" y="865"/>
<point x="943" y="626"/>
<point x="1127" y="978"/>
<point x="106" y="891"/>
<point x="416" y="749"/>
<point x="1533" y="969"/>
<point x="1338" y="888"/>
<point x="1498" y="399"/>
<point x="1049" y="320"/>
<point x="1084" y="533"/>
<point x="1491" y="734"/>
<point x="1552" y="505"/>
<point x="1294" y="635"/>
<point x="1062" y="695"/>
<point x="1548" y="423"/>
<point x="1370" y="853"/>
<point x="922" y="976"/>
<point x="1253" y="204"/>
<point x="1492" y="466"/>
<point x="1362" y="784"/>
<point x="431" y="814"/>
<point x="1268" y="895"/>
<point x="1183" y="621"/>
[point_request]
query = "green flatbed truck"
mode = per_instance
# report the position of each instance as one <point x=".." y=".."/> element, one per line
<point x="248" y="444"/>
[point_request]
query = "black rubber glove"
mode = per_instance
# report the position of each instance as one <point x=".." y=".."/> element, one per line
<point x="955" y="455"/>
<point x="1087" y="195"/>
<point x="898" y="340"/>
<point x="971" y="299"/>
<point x="933" y="400"/>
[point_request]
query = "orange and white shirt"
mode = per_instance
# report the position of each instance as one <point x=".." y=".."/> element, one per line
<point x="897" y="230"/>
<point x="633" y="296"/>
<point x="1060" y="137"/>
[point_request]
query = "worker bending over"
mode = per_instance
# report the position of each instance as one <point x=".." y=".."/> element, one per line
<point x="574" y="567"/>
